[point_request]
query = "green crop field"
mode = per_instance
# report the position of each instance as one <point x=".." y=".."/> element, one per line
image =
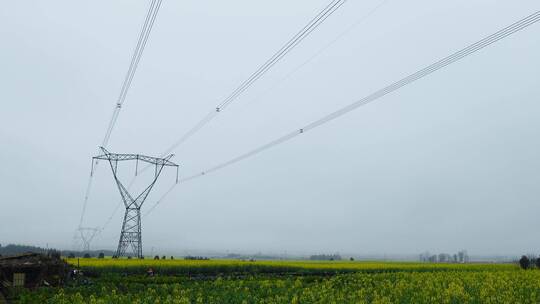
<point x="229" y="281"/>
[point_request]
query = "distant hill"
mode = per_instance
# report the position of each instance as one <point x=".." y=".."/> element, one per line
<point x="18" y="249"/>
<point x="12" y="249"/>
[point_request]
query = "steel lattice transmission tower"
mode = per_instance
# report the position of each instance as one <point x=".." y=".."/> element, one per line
<point x="131" y="227"/>
<point x="86" y="235"/>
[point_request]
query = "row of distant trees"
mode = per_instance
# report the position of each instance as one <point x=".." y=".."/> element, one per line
<point x="460" y="257"/>
<point x="325" y="257"/>
<point x="156" y="257"/>
<point x="529" y="262"/>
<point x="101" y="255"/>
<point x="86" y="255"/>
<point x="196" y="258"/>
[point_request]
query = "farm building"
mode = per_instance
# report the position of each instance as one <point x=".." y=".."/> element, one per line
<point x="31" y="270"/>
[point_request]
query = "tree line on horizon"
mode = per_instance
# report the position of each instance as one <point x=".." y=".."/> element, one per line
<point x="459" y="257"/>
<point x="14" y="249"/>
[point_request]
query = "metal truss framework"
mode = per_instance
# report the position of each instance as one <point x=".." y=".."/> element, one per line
<point x="131" y="234"/>
<point x="87" y="234"/>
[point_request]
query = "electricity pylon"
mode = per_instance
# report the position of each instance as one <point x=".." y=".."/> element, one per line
<point x="131" y="235"/>
<point x="87" y="234"/>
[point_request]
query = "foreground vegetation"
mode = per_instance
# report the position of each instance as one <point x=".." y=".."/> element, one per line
<point x="119" y="281"/>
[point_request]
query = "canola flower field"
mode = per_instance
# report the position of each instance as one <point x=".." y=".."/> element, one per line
<point x="213" y="267"/>
<point x="228" y="281"/>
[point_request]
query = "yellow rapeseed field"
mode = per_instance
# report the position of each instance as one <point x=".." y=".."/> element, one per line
<point x="229" y="281"/>
<point x="285" y="265"/>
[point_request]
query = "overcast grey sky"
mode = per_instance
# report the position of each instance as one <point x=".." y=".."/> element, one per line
<point x="449" y="162"/>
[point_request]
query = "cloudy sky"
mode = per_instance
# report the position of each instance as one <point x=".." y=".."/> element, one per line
<point x="449" y="162"/>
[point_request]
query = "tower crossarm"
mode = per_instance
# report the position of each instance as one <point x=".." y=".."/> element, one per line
<point x="148" y="159"/>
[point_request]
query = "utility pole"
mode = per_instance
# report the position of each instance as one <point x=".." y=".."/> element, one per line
<point x="131" y="234"/>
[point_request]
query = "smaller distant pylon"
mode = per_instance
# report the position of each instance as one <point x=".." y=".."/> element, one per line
<point x="87" y="234"/>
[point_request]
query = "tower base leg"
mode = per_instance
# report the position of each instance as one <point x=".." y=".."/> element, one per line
<point x="130" y="243"/>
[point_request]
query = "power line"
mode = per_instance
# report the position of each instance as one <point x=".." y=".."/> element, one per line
<point x="299" y="67"/>
<point x="282" y="52"/>
<point x="86" y="195"/>
<point x="505" y="32"/>
<point x="135" y="58"/>
<point x="288" y="47"/>
<point x="324" y="48"/>
<point x="329" y="10"/>
<point x="159" y="200"/>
